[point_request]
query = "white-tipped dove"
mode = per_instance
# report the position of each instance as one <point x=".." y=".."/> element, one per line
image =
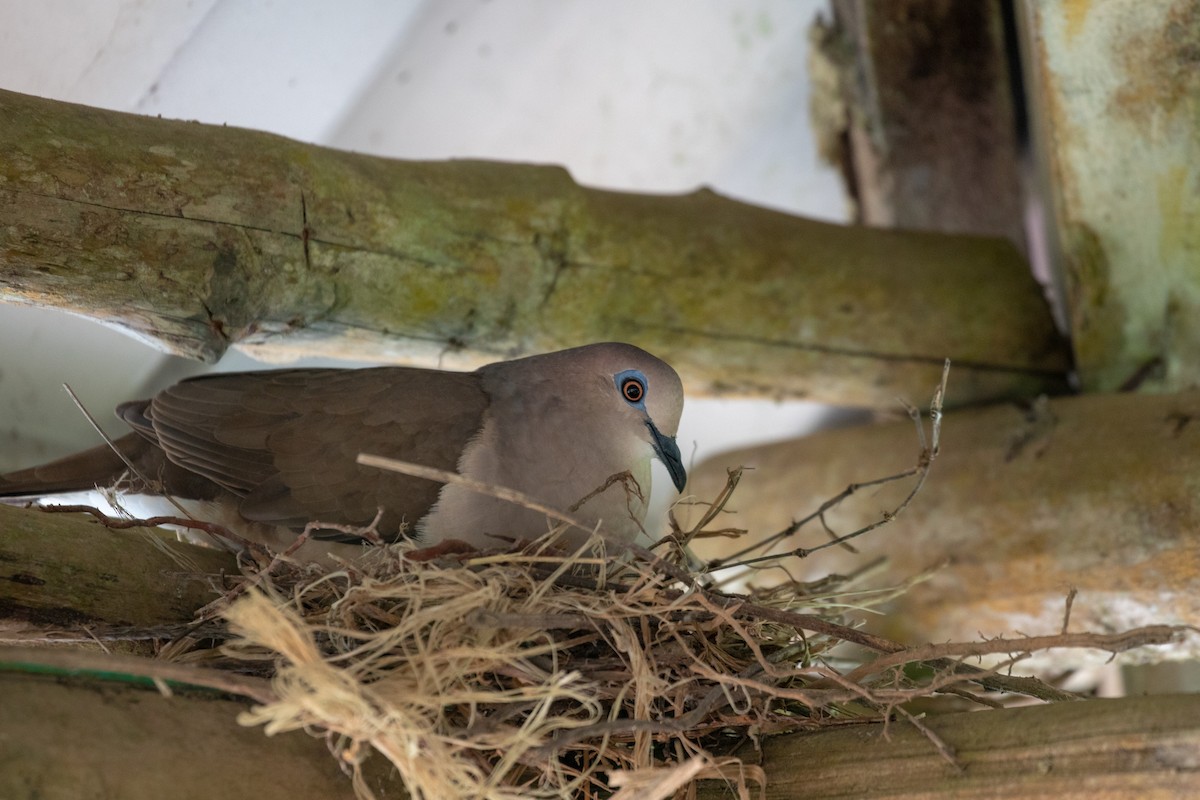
<point x="278" y="448"/>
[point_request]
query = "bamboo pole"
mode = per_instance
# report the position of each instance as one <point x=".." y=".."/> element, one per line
<point x="68" y="574"/>
<point x="89" y="737"/>
<point x="1095" y="493"/>
<point x="187" y="744"/>
<point x="200" y="237"/>
<point x="1144" y="747"/>
<point x="1114" y="98"/>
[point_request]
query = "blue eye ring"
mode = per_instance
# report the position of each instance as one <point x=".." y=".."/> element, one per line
<point x="633" y="387"/>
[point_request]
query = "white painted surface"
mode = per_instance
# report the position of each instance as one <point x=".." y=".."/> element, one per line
<point x="662" y="96"/>
<point x="106" y="53"/>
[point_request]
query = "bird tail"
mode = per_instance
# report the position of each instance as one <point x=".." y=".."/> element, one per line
<point x="79" y="472"/>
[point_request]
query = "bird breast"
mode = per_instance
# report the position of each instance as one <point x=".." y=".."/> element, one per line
<point x="552" y="475"/>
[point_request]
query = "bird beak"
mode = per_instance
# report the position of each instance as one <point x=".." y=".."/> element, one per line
<point x="668" y="453"/>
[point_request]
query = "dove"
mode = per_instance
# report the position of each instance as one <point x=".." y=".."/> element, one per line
<point x="266" y="453"/>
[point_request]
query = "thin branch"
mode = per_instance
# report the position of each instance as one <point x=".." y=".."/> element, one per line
<point x="522" y="499"/>
<point x="1110" y="642"/>
<point x="732" y="479"/>
<point x="83" y="662"/>
<point x="155" y="486"/>
<point x="1071" y="595"/>
<point x="211" y="528"/>
<point x="944" y="750"/>
<point x="928" y="453"/>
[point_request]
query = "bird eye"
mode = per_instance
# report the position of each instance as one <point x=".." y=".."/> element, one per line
<point x="633" y="390"/>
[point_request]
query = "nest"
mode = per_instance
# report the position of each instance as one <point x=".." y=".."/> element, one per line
<point x="533" y="673"/>
<point x="528" y="673"/>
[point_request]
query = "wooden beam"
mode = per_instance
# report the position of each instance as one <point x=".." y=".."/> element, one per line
<point x="1132" y="747"/>
<point x="86" y="737"/>
<point x="915" y="104"/>
<point x="68" y="574"/>
<point x="1115" y="95"/>
<point x="201" y="237"/>
<point x="1095" y="492"/>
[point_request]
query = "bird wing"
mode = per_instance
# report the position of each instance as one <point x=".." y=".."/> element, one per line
<point x="286" y="441"/>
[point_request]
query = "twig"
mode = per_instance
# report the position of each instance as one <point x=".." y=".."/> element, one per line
<point x="1111" y="642"/>
<point x="944" y="749"/>
<point x="76" y="662"/>
<point x="155" y="486"/>
<point x="732" y="479"/>
<point x="522" y="499"/>
<point x="796" y="525"/>
<point x="445" y="476"/>
<point x="100" y="431"/>
<point x="213" y="609"/>
<point x="1071" y="594"/>
<point x="211" y="528"/>
<point x="928" y="453"/>
<point x="39" y="635"/>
